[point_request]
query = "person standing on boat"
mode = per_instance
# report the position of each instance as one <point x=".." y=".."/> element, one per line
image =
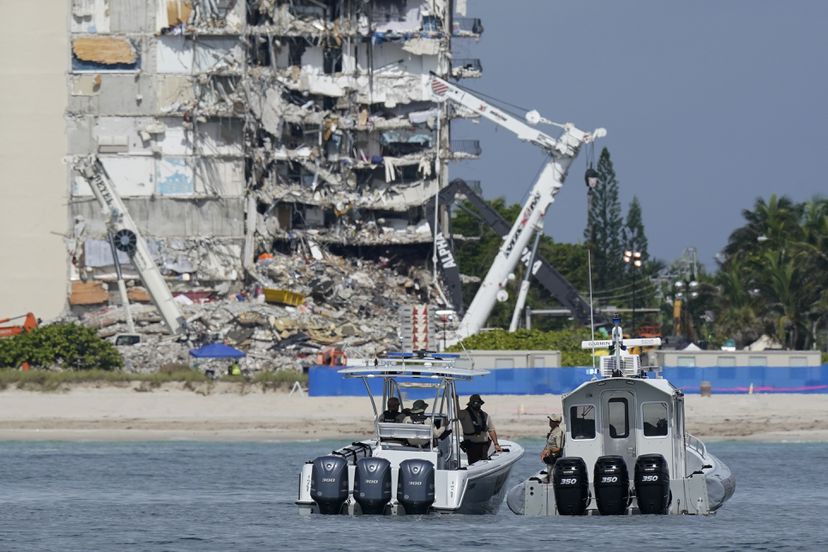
<point x="478" y="430"/>
<point x="554" y="441"/>
<point x="392" y="414"/>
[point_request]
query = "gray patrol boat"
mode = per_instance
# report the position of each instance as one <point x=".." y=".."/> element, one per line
<point x="626" y="450"/>
<point x="409" y="468"/>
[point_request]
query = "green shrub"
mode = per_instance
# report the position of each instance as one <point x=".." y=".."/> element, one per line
<point x="45" y="380"/>
<point x="68" y="346"/>
<point x="567" y="341"/>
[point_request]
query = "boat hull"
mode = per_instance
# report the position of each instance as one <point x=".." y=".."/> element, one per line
<point x="477" y="489"/>
<point x="701" y="493"/>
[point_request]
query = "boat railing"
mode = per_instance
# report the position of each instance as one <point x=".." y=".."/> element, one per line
<point x="697" y="445"/>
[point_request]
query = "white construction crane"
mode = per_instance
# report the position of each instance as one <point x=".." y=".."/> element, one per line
<point x="561" y="151"/>
<point x="125" y="236"/>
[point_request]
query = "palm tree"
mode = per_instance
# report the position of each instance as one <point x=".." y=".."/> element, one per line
<point x="769" y="225"/>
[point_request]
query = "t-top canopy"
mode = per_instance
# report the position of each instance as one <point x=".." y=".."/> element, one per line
<point x="406" y="365"/>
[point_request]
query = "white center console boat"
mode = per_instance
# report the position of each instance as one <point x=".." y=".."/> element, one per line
<point x="408" y="468"/>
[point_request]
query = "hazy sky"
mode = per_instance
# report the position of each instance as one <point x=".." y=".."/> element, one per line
<point x="708" y="104"/>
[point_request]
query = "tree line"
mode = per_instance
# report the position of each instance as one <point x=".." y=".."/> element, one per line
<point x="771" y="279"/>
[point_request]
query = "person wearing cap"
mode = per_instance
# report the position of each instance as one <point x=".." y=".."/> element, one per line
<point x="478" y="430"/>
<point x="416" y="415"/>
<point x="392" y="414"/>
<point x="554" y="441"/>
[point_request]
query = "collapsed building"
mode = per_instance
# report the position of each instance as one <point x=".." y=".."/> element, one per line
<point x="243" y="131"/>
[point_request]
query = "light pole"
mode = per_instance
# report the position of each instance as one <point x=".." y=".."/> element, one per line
<point x="634" y="258"/>
<point x="684" y="292"/>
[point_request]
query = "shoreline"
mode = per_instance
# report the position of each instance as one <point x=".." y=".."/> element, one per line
<point x="228" y="412"/>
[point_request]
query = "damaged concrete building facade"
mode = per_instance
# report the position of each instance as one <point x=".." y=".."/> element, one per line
<point x="237" y="128"/>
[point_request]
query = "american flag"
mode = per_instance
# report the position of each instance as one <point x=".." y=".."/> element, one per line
<point x="439" y="87"/>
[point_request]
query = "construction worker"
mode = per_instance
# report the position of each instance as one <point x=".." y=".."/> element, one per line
<point x="235" y="369"/>
<point x="554" y="441"/>
<point x="478" y="431"/>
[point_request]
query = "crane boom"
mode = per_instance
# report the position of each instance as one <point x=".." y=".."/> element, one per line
<point x="561" y="151"/>
<point x="127" y="238"/>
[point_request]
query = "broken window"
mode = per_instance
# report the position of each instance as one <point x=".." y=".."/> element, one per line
<point x="296" y="48"/>
<point x="332" y="60"/>
<point x="259" y="50"/>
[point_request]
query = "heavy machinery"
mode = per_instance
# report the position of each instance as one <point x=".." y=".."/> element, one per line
<point x="560" y="151"/>
<point x="124" y="236"/>
<point x="552" y="280"/>
<point x="30" y="322"/>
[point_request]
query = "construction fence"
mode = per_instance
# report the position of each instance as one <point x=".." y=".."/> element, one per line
<point x="324" y="381"/>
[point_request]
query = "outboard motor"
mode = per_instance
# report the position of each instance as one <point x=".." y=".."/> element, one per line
<point x="652" y="484"/>
<point x="415" y="485"/>
<point x="372" y="484"/>
<point x="612" y="485"/>
<point x="571" y="484"/>
<point x="329" y="483"/>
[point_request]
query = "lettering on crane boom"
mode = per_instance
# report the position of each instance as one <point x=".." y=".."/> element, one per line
<point x="104" y="189"/>
<point x="524" y="219"/>
<point x="444" y="252"/>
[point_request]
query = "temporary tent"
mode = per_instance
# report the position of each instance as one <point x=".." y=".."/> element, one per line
<point x="216" y="350"/>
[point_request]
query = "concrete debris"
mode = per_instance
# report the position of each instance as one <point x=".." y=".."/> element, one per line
<point x="349" y="304"/>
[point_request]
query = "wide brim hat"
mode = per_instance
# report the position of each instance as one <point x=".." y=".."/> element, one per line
<point x="476" y="398"/>
<point x="419" y="406"/>
<point x="554" y="418"/>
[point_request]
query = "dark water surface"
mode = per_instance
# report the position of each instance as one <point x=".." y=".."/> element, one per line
<point x="239" y="496"/>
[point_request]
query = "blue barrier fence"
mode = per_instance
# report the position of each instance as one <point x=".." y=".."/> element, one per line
<point x="325" y="382"/>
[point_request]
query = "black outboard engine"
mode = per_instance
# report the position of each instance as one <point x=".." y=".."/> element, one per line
<point x="415" y="485"/>
<point x="329" y="483"/>
<point x="569" y="478"/>
<point x="612" y="485"/>
<point x="372" y="484"/>
<point x="652" y="484"/>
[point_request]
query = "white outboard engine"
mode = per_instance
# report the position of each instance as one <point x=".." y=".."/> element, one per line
<point x="571" y="484"/>
<point x="652" y="484"/>
<point x="372" y="484"/>
<point x="415" y="485"/>
<point x="612" y="485"/>
<point x="329" y="483"/>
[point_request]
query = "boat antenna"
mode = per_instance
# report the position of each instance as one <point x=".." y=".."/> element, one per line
<point x="591" y="310"/>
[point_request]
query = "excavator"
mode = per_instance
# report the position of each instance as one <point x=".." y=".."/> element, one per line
<point x="30" y="322"/>
<point x="560" y="153"/>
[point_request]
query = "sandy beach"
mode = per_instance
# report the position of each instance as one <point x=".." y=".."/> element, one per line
<point x="226" y="412"/>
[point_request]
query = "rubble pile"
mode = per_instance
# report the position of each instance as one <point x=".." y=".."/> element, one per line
<point x="350" y="305"/>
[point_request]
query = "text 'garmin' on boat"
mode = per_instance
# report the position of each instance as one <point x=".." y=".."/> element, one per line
<point x="409" y="468"/>
<point x="626" y="450"/>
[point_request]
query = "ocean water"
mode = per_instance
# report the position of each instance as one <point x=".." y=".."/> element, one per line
<point x="239" y="496"/>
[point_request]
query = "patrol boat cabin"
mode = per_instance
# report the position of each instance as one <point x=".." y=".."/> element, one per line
<point x="409" y="468"/>
<point x="626" y="450"/>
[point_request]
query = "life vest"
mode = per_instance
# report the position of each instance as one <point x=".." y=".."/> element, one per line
<point x="478" y="423"/>
<point x="391" y="417"/>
